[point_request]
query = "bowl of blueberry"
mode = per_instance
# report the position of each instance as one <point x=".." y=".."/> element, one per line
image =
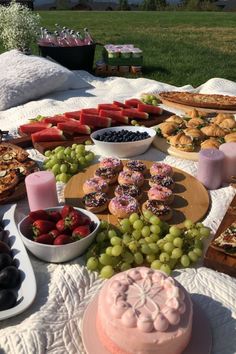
<point x="123" y="141"/>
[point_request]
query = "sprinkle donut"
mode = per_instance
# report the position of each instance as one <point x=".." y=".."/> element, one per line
<point x="129" y="177"/>
<point x="106" y="173"/>
<point x="163" y="211"/>
<point x="123" y="206"/>
<point x="95" y="202"/>
<point x="135" y="165"/>
<point x="128" y="189"/>
<point x="161" y="194"/>
<point x="95" y="184"/>
<point x="161" y="169"/>
<point x="166" y="181"/>
<point x="111" y="162"/>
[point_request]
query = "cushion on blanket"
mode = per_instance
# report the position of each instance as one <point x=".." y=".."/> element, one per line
<point x="27" y="77"/>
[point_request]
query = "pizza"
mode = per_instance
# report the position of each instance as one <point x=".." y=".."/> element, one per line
<point x="200" y="100"/>
<point x="226" y="241"/>
<point x="15" y="165"/>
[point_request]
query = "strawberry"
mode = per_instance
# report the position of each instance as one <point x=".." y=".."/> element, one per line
<point x="42" y="227"/>
<point x="39" y="215"/>
<point x="54" y="233"/>
<point x="65" y="211"/>
<point x="62" y="239"/>
<point x="45" y="238"/>
<point x="73" y="219"/>
<point x="62" y="226"/>
<point x="81" y="231"/>
<point x="55" y="215"/>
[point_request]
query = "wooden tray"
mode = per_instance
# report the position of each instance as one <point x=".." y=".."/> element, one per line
<point x="25" y="141"/>
<point x="191" y="198"/>
<point x="219" y="260"/>
<point x="186" y="108"/>
<point x="162" y="145"/>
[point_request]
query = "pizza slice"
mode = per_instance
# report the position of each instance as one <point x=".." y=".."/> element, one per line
<point x="226" y="241"/>
<point x="213" y="101"/>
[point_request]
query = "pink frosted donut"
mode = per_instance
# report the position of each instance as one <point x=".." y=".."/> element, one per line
<point x="163" y="211"/>
<point x="160" y="193"/>
<point x="164" y="181"/>
<point x="128" y="189"/>
<point x="123" y="206"/>
<point x="111" y="162"/>
<point x="95" y="184"/>
<point x="161" y="169"/>
<point x="129" y="177"/>
<point x="108" y="174"/>
<point x="135" y="165"/>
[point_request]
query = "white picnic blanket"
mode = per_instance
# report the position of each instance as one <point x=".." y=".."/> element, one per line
<point x="53" y="323"/>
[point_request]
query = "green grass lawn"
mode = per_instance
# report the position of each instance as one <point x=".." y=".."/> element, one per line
<point x="179" y="47"/>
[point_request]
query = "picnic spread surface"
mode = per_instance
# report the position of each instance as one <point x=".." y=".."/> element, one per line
<point x="52" y="324"/>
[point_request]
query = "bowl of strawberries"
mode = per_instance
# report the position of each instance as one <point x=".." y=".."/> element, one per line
<point x="58" y="234"/>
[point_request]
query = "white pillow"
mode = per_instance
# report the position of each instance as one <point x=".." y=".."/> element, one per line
<point x="26" y="77"/>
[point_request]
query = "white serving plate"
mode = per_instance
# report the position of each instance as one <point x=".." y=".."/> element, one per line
<point x="27" y="289"/>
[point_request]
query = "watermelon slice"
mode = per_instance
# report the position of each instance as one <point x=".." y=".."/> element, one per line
<point x="134" y="113"/>
<point x="114" y="115"/>
<point x="56" y="119"/>
<point x="120" y="104"/>
<point x="132" y="102"/>
<point x="49" y="134"/>
<point x="108" y="106"/>
<point x="74" y="115"/>
<point x="95" y="121"/>
<point x="90" y="111"/>
<point x="31" y="128"/>
<point x="148" y="108"/>
<point x="74" y="127"/>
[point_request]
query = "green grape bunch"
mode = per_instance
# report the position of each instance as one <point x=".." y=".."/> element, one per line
<point x="145" y="240"/>
<point x="65" y="162"/>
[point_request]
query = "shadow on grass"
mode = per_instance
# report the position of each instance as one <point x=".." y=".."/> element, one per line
<point x="154" y="69"/>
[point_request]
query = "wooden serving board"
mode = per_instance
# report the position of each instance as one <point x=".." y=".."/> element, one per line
<point x="191" y="200"/>
<point x="219" y="260"/>
<point x="187" y="108"/>
<point x="18" y="193"/>
<point x="162" y="145"/>
<point x="25" y="141"/>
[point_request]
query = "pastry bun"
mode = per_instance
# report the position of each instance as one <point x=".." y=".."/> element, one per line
<point x="195" y="122"/>
<point x="213" y="130"/>
<point x="167" y="128"/>
<point x="230" y="138"/>
<point x="176" y="120"/>
<point x="181" y="142"/>
<point x="210" y="144"/>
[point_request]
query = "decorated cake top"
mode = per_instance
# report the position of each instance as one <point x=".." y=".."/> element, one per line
<point x="146" y="299"/>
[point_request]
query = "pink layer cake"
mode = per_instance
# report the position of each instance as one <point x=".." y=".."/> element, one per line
<point x="143" y="311"/>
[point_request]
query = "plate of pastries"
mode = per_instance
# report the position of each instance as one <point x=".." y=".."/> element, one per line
<point x="114" y="189"/>
<point x="184" y="136"/>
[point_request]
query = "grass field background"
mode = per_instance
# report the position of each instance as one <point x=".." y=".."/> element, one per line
<point x="178" y="47"/>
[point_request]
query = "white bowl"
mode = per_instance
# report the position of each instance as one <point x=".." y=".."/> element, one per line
<point x="52" y="253"/>
<point x="126" y="149"/>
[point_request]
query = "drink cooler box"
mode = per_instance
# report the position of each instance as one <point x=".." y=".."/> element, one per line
<point x="119" y="61"/>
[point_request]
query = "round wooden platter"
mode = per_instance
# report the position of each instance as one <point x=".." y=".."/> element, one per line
<point x="162" y="145"/>
<point x="191" y="200"/>
<point x="187" y="108"/>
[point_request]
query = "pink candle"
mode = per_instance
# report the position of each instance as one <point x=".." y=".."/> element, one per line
<point x="41" y="190"/>
<point x="210" y="168"/>
<point x="229" y="150"/>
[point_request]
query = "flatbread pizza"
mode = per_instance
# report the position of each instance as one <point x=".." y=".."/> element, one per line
<point x="200" y="100"/>
<point x="226" y="241"/>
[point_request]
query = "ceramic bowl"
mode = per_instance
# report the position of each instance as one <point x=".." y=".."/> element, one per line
<point x="52" y="253"/>
<point x="124" y="149"/>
